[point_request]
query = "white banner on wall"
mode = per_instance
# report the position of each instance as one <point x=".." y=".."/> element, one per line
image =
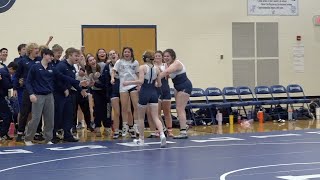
<point x="273" y="7"/>
<point x="298" y="58"/>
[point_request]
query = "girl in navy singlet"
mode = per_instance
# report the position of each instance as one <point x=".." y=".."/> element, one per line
<point x="183" y="87"/>
<point x="148" y="79"/>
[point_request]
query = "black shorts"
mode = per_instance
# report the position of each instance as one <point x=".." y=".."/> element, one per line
<point x="147" y="96"/>
<point x="115" y="92"/>
<point x="164" y="95"/>
<point x="184" y="87"/>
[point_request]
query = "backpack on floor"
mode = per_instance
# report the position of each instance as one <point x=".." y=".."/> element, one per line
<point x="313" y="105"/>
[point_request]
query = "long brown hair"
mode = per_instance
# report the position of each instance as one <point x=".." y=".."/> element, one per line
<point x="171" y="53"/>
<point x="97" y="56"/>
<point x="89" y="68"/>
<point x="131" y="50"/>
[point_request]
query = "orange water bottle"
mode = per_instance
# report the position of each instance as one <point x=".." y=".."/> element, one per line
<point x="260" y="116"/>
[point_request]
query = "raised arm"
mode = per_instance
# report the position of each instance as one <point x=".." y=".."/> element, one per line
<point x="75" y="83"/>
<point x="114" y="71"/>
<point x="49" y="40"/>
<point x="140" y="79"/>
<point x="175" y="66"/>
<point x="159" y="84"/>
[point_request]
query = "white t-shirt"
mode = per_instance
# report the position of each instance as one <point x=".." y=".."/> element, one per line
<point x="111" y="67"/>
<point x="77" y="67"/>
<point x="127" y="71"/>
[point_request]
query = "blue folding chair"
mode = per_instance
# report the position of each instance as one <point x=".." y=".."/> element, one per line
<point x="198" y="100"/>
<point x="279" y="93"/>
<point x="246" y="95"/>
<point x="215" y="99"/>
<point x="263" y="95"/>
<point x="296" y="93"/>
<point x="229" y="92"/>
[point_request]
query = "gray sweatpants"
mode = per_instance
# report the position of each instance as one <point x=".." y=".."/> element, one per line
<point x="44" y="106"/>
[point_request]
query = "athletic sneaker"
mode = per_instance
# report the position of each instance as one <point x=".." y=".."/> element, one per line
<point x="90" y="129"/>
<point x="125" y="129"/>
<point x="138" y="142"/>
<point x="92" y="124"/>
<point x="132" y="133"/>
<point x="163" y="141"/>
<point x="28" y="143"/>
<point x="153" y="135"/>
<point x="74" y="130"/>
<point x="38" y="137"/>
<point x="50" y="143"/>
<point x="79" y="125"/>
<point x="108" y="131"/>
<point x="6" y="138"/>
<point x="56" y="140"/>
<point x="60" y="133"/>
<point x="19" y="138"/>
<point x="181" y="136"/>
<point x="97" y="131"/>
<point x="116" y="135"/>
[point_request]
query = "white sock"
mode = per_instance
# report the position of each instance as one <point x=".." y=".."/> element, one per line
<point x="183" y="132"/>
<point x="162" y="134"/>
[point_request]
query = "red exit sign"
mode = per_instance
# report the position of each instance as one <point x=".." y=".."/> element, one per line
<point x="316" y="20"/>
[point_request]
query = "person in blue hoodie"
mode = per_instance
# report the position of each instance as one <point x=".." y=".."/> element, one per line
<point x="40" y="86"/>
<point x="19" y="82"/>
<point x="5" y="108"/>
<point x="63" y="96"/>
<point x="19" y="91"/>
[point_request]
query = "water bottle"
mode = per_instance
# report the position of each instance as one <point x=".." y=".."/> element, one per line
<point x="318" y="113"/>
<point x="231" y="119"/>
<point x="219" y="118"/>
<point x="290" y="114"/>
<point x="260" y="116"/>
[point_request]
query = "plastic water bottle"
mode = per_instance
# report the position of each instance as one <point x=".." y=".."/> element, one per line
<point x="318" y="113"/>
<point x="219" y="118"/>
<point x="290" y="114"/>
<point x="260" y="116"/>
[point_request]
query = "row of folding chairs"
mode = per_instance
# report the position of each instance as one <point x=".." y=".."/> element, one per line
<point x="242" y="97"/>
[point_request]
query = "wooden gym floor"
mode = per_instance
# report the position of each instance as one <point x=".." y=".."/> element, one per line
<point x="86" y="136"/>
